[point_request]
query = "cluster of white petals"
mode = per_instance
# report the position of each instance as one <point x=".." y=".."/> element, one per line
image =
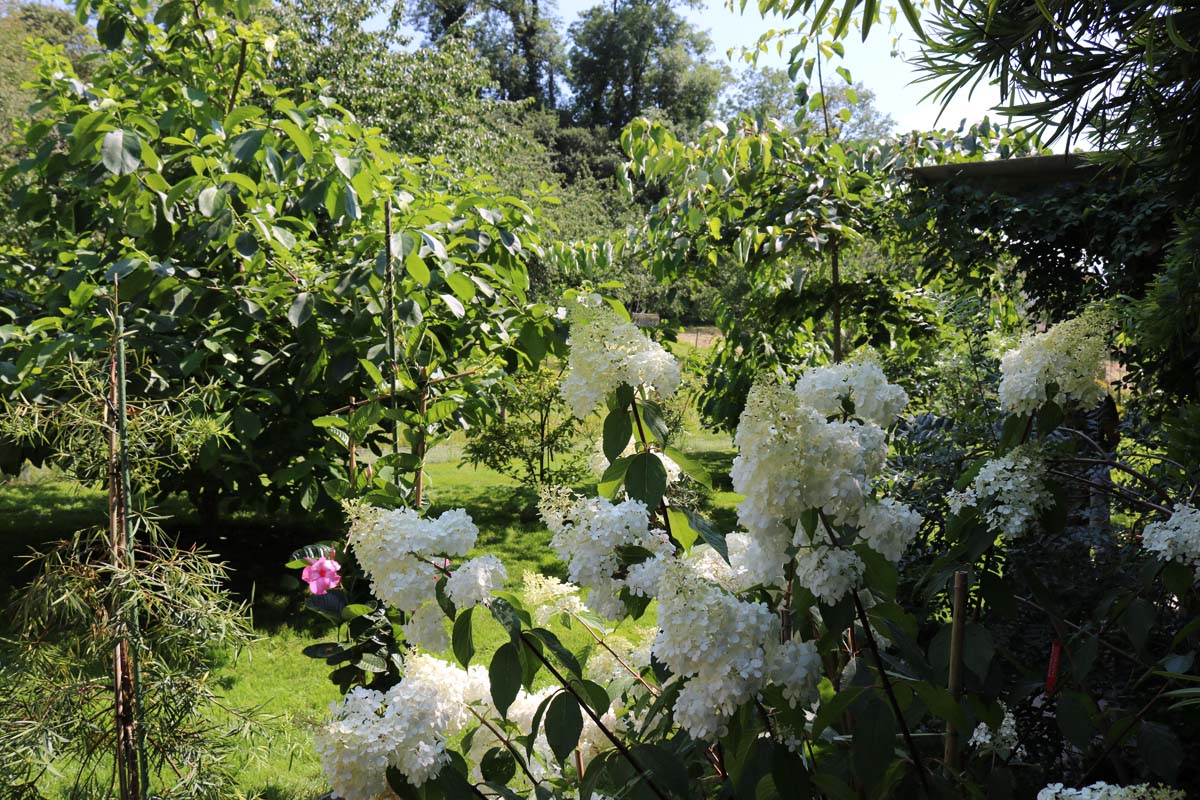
<point x="587" y="534"/>
<point x="405" y="728"/>
<point x="1177" y="538"/>
<point x="791" y="459"/>
<point x="396" y="547"/>
<point x="862" y="385"/>
<point x="828" y="572"/>
<point x="727" y="649"/>
<point x="426" y="628"/>
<point x="475" y="581"/>
<point x="1069" y="355"/>
<point x="888" y="527"/>
<point x="798" y="451"/>
<point x="1002" y="742"/>
<point x="607" y="351"/>
<point x="1105" y="791"/>
<point x="796" y="668"/>
<point x="548" y="597"/>
<point x="1010" y="490"/>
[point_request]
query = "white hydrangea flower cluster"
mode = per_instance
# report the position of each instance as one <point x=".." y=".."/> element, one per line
<point x="790" y="459"/>
<point x="588" y="532"/>
<point x="607" y="351"/>
<point x="1070" y="355"/>
<point x="475" y="581"/>
<point x="888" y="527"/>
<point x="727" y="649"/>
<point x="405" y="728"/>
<point x="828" y="572"/>
<point x="1105" y="791"/>
<point x="862" y="383"/>
<point x="426" y="628"/>
<point x="1177" y="538"/>
<point x="395" y="548"/>
<point x="548" y="597"/>
<point x="1002" y="742"/>
<point x="796" y="668"/>
<point x="794" y="456"/>
<point x="1012" y="490"/>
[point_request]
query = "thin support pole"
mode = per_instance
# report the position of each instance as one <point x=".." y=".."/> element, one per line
<point x="957" y="639"/>
<point x="394" y="361"/>
<point x="130" y="747"/>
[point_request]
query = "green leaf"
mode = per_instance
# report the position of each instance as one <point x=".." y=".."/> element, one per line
<point x="646" y="479"/>
<point x="1074" y="717"/>
<point x="618" y="430"/>
<point x="653" y="417"/>
<point x="246" y="145"/>
<point x="121" y="152"/>
<point x="415" y="266"/>
<point x="299" y="138"/>
<point x="693" y="469"/>
<point x="1137" y="621"/>
<point x="462" y="286"/>
<point x="564" y="724"/>
<point x="498" y="765"/>
<point x="681" y="528"/>
<point x="301" y="309"/>
<point x="711" y="536"/>
<point x="612" y="478"/>
<point x="452" y="303"/>
<point x="978" y="649"/>
<point x="210" y="201"/>
<point x="1160" y="749"/>
<point x="555" y="646"/>
<point x="505" y="676"/>
<point x="874" y="740"/>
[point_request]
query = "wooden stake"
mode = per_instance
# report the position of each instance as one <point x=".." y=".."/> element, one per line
<point x="958" y="627"/>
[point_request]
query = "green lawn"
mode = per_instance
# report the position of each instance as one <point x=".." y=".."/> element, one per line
<point x="273" y="675"/>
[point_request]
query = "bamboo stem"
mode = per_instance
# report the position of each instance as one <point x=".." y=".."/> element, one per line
<point x="390" y="325"/>
<point x="957" y="631"/>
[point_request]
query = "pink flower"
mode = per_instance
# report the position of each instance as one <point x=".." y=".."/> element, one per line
<point x="321" y="574"/>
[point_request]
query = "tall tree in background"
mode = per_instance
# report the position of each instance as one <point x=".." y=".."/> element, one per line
<point x="20" y="22"/>
<point x="769" y="92"/>
<point x="637" y="55"/>
<point x="518" y="38"/>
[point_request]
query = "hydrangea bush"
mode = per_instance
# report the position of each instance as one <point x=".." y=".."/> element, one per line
<point x="778" y="659"/>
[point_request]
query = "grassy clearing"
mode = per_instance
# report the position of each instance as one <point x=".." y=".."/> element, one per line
<point x="273" y="675"/>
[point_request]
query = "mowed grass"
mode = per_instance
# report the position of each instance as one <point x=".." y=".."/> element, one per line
<point x="273" y="675"/>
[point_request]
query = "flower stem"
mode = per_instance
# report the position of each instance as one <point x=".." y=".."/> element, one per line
<point x="617" y="743"/>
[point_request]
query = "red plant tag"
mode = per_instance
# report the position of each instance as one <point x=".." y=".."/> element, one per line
<point x="1052" y="668"/>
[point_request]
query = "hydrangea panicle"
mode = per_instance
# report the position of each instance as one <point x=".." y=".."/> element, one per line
<point x="1070" y="355"/>
<point x="607" y="351"/>
<point x="1176" y="538"/>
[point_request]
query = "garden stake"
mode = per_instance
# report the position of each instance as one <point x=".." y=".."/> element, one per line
<point x="950" y="757"/>
<point x="130" y="746"/>
<point x="390" y="278"/>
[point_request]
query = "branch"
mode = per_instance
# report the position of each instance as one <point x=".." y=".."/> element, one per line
<point x="617" y="743"/>
<point x="237" y="79"/>
<point x="1114" y="491"/>
<point x="887" y="688"/>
